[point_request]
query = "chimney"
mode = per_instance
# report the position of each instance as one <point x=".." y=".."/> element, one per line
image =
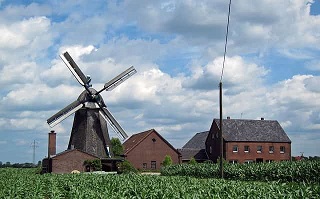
<point x="262" y="118"/>
<point x="228" y="117"/>
<point x="52" y="144"/>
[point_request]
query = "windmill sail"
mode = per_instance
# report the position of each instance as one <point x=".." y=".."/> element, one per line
<point x="119" y="79"/>
<point x="64" y="113"/>
<point x="74" y="68"/>
<point x="113" y="122"/>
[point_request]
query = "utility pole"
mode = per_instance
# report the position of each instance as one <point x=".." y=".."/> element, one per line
<point x="34" y="145"/>
<point x="220" y="132"/>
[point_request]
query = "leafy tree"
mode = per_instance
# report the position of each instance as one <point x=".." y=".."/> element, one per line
<point x="116" y="147"/>
<point x="192" y="161"/>
<point x="167" y="161"/>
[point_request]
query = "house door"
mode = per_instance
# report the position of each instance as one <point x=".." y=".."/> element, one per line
<point x="258" y="160"/>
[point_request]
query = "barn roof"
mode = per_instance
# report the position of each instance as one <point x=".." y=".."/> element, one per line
<point x="197" y="154"/>
<point x="252" y="130"/>
<point x="198" y="141"/>
<point x="135" y="139"/>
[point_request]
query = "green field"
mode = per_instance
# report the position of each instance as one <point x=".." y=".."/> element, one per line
<point x="24" y="183"/>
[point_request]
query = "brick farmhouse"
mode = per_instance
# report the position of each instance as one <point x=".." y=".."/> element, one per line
<point x="246" y="141"/>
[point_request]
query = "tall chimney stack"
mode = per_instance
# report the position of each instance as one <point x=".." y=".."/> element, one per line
<point x="52" y="144"/>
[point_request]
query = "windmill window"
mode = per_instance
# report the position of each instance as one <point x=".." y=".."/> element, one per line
<point x="235" y="149"/>
<point x="210" y="149"/>
<point x="282" y="149"/>
<point x="153" y="164"/>
<point x="246" y="149"/>
<point x="271" y="149"/>
<point x="259" y="149"/>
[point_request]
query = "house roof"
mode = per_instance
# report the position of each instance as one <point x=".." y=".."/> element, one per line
<point x="252" y="130"/>
<point x="198" y="141"/>
<point x="135" y="139"/>
<point x="197" y="154"/>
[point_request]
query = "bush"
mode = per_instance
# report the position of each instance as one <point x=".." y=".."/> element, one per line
<point x="126" y="167"/>
<point x="192" y="161"/>
<point x="95" y="164"/>
<point x="167" y="161"/>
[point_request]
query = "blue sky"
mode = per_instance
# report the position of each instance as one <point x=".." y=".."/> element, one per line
<point x="272" y="68"/>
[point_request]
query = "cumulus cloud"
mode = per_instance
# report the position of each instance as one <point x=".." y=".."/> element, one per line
<point x="177" y="48"/>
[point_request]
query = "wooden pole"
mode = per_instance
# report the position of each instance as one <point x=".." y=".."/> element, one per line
<point x="220" y="132"/>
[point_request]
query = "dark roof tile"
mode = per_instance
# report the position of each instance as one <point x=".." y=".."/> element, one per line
<point x="252" y="130"/>
<point x="198" y="141"/>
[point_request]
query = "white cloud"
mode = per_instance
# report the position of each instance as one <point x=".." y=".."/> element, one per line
<point x="176" y="47"/>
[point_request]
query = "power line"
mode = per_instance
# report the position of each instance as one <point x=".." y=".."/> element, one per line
<point x="226" y="42"/>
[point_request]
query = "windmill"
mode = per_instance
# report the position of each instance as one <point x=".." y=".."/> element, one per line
<point x="89" y="131"/>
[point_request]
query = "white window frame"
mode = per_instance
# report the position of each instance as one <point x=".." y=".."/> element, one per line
<point x="248" y="161"/>
<point x="259" y="151"/>
<point x="233" y="161"/>
<point x="284" y="149"/>
<point x="271" y="149"/>
<point x="247" y="151"/>
<point x="237" y="149"/>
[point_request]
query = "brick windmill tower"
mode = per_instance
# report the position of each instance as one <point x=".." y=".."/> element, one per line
<point x="89" y="131"/>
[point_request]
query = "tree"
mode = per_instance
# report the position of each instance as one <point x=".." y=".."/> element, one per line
<point x="116" y="147"/>
<point x="167" y="161"/>
<point x="192" y="161"/>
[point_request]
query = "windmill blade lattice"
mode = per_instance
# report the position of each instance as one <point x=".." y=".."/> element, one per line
<point x="89" y="132"/>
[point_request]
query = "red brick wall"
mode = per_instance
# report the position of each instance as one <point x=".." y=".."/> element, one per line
<point x="241" y="156"/>
<point x="69" y="161"/>
<point x="149" y="150"/>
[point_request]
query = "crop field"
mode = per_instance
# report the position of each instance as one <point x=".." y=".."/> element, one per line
<point x="301" y="171"/>
<point x="24" y="183"/>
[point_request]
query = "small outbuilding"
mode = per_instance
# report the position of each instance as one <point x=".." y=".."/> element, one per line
<point x="68" y="161"/>
<point x="195" y="148"/>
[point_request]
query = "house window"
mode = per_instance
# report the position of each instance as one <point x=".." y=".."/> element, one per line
<point x="153" y="164"/>
<point x="144" y="165"/>
<point x="233" y="161"/>
<point x="246" y="149"/>
<point x="235" y="148"/>
<point x="269" y="161"/>
<point x="271" y="149"/>
<point x="248" y="161"/>
<point x="282" y="149"/>
<point x="259" y="149"/>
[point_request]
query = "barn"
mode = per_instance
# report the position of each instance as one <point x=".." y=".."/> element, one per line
<point x="147" y="150"/>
